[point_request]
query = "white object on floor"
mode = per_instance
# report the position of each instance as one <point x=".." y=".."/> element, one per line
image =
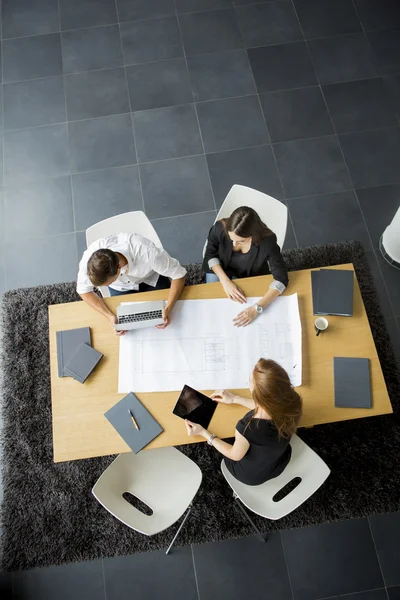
<point x="202" y="348"/>
<point x="130" y="222"/>
<point x="390" y="241"/>
<point x="272" y="212"/>
<point x="163" y="478"/>
<point x="304" y="463"/>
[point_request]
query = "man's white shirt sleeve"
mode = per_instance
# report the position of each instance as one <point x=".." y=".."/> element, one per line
<point x="163" y="264"/>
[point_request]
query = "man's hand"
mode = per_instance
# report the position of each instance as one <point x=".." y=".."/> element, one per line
<point x="233" y="291"/>
<point x="167" y="319"/>
<point x="114" y="321"/>
<point x="245" y="317"/>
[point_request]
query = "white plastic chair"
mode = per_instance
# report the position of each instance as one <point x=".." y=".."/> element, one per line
<point x="272" y="212"/>
<point x="130" y="222"/>
<point x="304" y="463"/>
<point x="164" y="479"/>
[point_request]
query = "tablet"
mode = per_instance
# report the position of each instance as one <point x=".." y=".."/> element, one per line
<point x="195" y="406"/>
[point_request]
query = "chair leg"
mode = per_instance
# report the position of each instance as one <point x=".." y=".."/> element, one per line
<point x="258" y="532"/>
<point x="180" y="527"/>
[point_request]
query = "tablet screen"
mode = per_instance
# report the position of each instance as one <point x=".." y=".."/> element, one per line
<point x="195" y="406"/>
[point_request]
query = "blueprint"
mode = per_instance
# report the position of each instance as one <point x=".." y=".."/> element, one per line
<point x="202" y="348"/>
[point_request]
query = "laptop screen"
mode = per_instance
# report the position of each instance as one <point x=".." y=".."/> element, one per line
<point x="195" y="407"/>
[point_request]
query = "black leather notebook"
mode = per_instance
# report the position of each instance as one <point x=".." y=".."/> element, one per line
<point x="335" y="292"/>
<point x="352" y="382"/>
<point x="82" y="363"/>
<point x="67" y="344"/>
<point x="120" y="418"/>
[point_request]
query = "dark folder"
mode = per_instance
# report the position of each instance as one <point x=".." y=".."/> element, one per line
<point x="335" y="292"/>
<point x="82" y="363"/>
<point x="67" y="343"/>
<point x="352" y="382"/>
<point x="314" y="290"/>
<point x="121" y="420"/>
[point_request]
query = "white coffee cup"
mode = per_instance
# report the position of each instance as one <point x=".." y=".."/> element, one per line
<point x="320" y="325"/>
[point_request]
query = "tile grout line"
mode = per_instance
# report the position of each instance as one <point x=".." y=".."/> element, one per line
<point x="195" y="572"/>
<point x="67" y="233"/>
<point x="364" y="31"/>
<point x="270" y="143"/>
<point x="130" y="110"/>
<point x="350" y="594"/>
<point x="68" y="140"/>
<point x="104" y="578"/>
<point x="195" y="107"/>
<point x="378" y="128"/>
<point x="176" y="14"/>
<point x="334" y="128"/>
<point x="201" y="212"/>
<point x="286" y="563"/>
<point x="149" y="62"/>
<point x="376" y="552"/>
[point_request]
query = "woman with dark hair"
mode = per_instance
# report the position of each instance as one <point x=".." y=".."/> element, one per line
<point x="261" y="450"/>
<point x="243" y="246"/>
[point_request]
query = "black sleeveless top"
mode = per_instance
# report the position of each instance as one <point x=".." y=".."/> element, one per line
<point x="267" y="456"/>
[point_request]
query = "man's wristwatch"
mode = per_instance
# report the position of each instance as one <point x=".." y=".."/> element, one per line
<point x="258" y="308"/>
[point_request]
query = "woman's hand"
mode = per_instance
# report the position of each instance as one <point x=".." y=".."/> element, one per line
<point x="245" y="317"/>
<point x="223" y="396"/>
<point x="194" y="428"/>
<point x="233" y="291"/>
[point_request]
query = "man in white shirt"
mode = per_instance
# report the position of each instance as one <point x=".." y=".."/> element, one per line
<point x="127" y="263"/>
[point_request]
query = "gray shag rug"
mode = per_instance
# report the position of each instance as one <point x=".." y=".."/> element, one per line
<point x="49" y="515"/>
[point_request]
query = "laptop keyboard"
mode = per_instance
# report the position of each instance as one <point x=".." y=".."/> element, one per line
<point x="144" y="316"/>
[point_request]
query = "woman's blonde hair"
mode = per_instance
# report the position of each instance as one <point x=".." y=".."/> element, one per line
<point x="273" y="392"/>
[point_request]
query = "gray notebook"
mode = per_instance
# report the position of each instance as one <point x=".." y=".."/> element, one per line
<point x="67" y="343"/>
<point x="352" y="382"/>
<point x="82" y="363"/>
<point x="335" y="292"/>
<point x="314" y="289"/>
<point x="121" y="420"/>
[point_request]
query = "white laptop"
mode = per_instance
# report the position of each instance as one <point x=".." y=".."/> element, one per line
<point x="137" y="315"/>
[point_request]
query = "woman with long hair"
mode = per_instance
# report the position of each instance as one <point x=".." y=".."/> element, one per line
<point x="261" y="450"/>
<point x="243" y="246"/>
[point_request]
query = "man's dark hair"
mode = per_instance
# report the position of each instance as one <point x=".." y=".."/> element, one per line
<point x="102" y="265"/>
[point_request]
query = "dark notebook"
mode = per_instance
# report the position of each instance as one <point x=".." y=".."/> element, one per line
<point x="352" y="382"/>
<point x="67" y="343"/>
<point x="82" y="363"/>
<point x="121" y="420"/>
<point x="314" y="289"/>
<point x="335" y="292"/>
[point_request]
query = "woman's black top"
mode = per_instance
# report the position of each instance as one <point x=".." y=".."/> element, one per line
<point x="238" y="264"/>
<point x="267" y="456"/>
<point x="261" y="259"/>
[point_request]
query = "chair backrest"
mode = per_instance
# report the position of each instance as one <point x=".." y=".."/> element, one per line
<point x="130" y="222"/>
<point x="163" y="478"/>
<point x="304" y="464"/>
<point x="271" y="211"/>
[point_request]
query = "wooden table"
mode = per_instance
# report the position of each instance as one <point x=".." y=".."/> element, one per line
<point x="80" y="429"/>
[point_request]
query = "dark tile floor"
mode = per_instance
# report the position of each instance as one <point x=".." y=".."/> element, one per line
<point x="162" y="105"/>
